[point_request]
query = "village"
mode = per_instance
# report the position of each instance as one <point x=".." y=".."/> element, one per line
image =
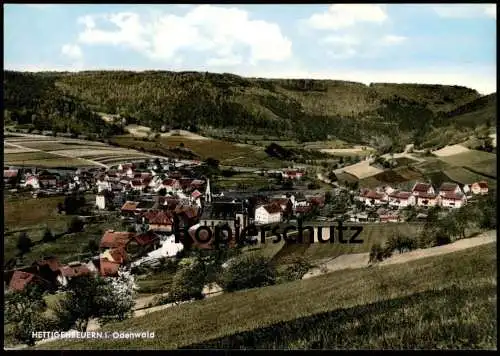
<point x="153" y="196"/>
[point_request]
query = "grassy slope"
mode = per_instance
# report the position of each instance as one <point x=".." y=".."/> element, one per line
<point x="372" y="233"/>
<point x="445" y="301"/>
<point x="42" y="214"/>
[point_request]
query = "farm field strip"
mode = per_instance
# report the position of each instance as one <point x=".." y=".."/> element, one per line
<point x="451" y="151"/>
<point x="362" y="170"/>
<point x="469" y="158"/>
<point x="85" y="152"/>
<point x="464" y="176"/>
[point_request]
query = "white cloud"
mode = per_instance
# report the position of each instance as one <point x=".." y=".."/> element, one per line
<point x="393" y="39"/>
<point x="219" y="31"/>
<point x="72" y="51"/>
<point x="466" y="10"/>
<point x="341" y="16"/>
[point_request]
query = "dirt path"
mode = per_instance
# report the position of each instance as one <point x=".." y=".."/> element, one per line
<point x="360" y="260"/>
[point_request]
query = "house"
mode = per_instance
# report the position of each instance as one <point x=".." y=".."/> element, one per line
<point x="103" y="184"/>
<point x="170" y="185"/>
<point x="268" y="214"/>
<point x="466" y="189"/>
<point x="138" y="184"/>
<point x="385" y="216"/>
<point x="318" y="201"/>
<point x="401" y="199"/>
<point x="10" y="175"/>
<point x="116" y="255"/>
<point x="371" y="198"/>
<point x="20" y="280"/>
<point x="108" y="268"/>
<point x="447" y="188"/>
<point x="32" y="182"/>
<point x="427" y="199"/>
<point x="129" y="208"/>
<point x="282" y="202"/>
<point x="159" y="220"/>
<point x="423" y="188"/>
<point x="141" y="244"/>
<point x="100" y="201"/>
<point x="453" y="200"/>
<point x="113" y="239"/>
<point x="222" y="213"/>
<point x="71" y="271"/>
<point x="293" y="174"/>
<point x="480" y="188"/>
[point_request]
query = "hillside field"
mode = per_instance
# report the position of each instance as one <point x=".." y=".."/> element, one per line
<point x="440" y="302"/>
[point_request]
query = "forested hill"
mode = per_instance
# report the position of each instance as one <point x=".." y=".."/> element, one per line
<point x="302" y="109"/>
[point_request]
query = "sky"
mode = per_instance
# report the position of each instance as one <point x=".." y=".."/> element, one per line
<point x="447" y="44"/>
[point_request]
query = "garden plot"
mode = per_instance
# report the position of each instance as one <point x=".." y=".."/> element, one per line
<point x="470" y="158"/>
<point x="82" y="152"/>
<point x="355" y="151"/>
<point x="451" y="150"/>
<point x="362" y="170"/>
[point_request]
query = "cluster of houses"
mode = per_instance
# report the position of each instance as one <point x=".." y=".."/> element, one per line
<point x="449" y="195"/>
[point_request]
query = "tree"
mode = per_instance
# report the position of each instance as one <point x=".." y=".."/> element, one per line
<point x="24" y="311"/>
<point x="47" y="236"/>
<point x="248" y="272"/>
<point x="24" y="243"/>
<point x="106" y="299"/>
<point x="75" y="225"/>
<point x="91" y="247"/>
<point x="188" y="283"/>
<point x="162" y="192"/>
<point x="378" y="253"/>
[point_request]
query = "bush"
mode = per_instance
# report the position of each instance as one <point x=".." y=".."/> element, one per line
<point x="48" y="236"/>
<point x="187" y="284"/>
<point x="297" y="269"/>
<point x="248" y="272"/>
<point x="378" y="253"/>
<point x="76" y="225"/>
<point x="401" y="243"/>
<point x="24" y="243"/>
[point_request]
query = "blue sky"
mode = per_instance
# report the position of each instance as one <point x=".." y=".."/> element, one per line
<point x="435" y="44"/>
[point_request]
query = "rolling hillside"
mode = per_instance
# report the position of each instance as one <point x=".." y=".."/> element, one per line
<point x="436" y="302"/>
<point x="305" y="110"/>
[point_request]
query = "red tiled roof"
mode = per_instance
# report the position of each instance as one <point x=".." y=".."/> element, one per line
<point x="188" y="210"/>
<point x="119" y="255"/>
<point x="273" y="208"/>
<point x="11" y="173"/>
<point x="421" y="187"/>
<point x="129" y="206"/>
<point x="401" y="195"/>
<point x="197" y="183"/>
<point x="280" y="201"/>
<point x="302" y="209"/>
<point x="137" y="183"/>
<point x="20" y="280"/>
<point x="169" y="182"/>
<point x="158" y="217"/>
<point x="113" y="239"/>
<point x="452" y="196"/>
<point x="146" y="239"/>
<point x="108" y="268"/>
<point x="483" y="185"/>
<point x="196" y="194"/>
<point x="74" y="271"/>
<point x="448" y="187"/>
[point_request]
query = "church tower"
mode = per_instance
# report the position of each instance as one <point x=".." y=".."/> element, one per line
<point x="208" y="193"/>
